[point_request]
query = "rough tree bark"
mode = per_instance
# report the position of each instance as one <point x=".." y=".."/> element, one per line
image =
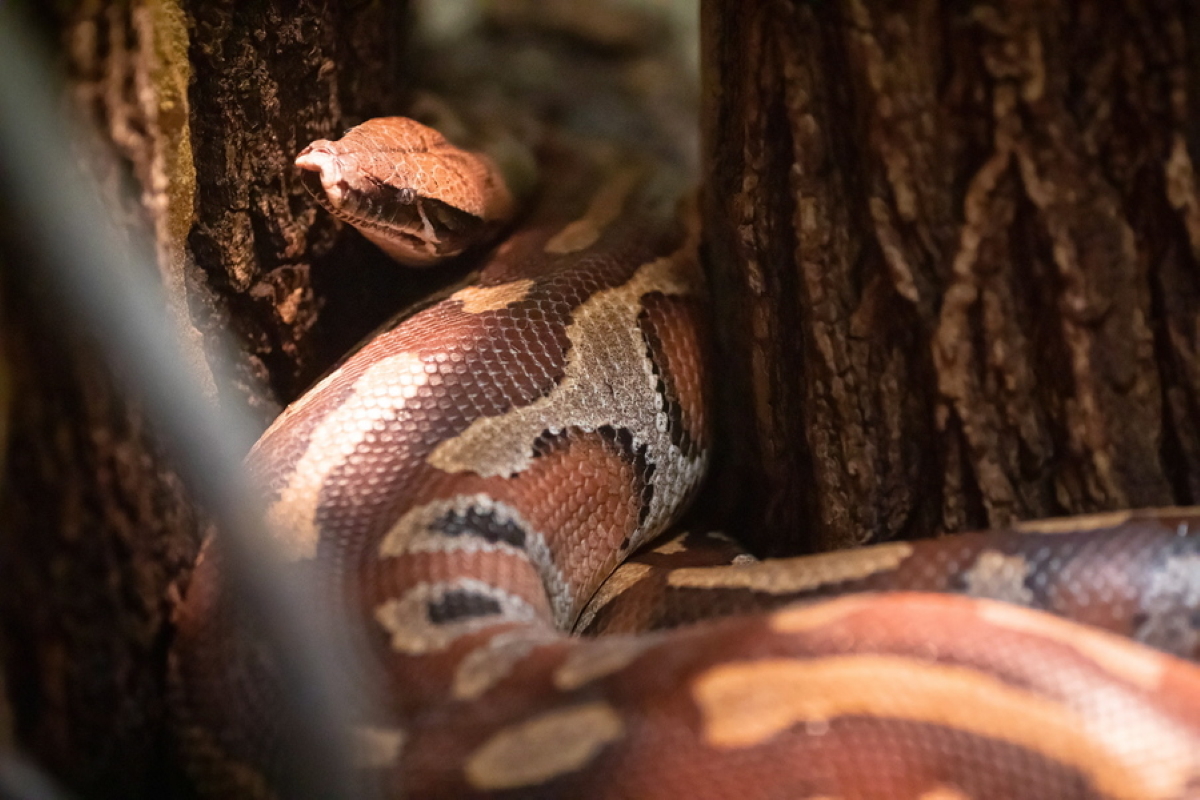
<point x="955" y="251"/>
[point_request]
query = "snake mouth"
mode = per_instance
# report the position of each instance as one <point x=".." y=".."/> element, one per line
<point x="414" y="229"/>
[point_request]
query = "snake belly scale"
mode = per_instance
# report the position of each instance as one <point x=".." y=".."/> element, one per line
<point x="466" y="482"/>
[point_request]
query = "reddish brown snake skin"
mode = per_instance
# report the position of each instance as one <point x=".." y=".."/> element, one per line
<point x="468" y="480"/>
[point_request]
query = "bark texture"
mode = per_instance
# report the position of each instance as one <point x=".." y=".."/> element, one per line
<point x="201" y="107"/>
<point x="96" y="530"/>
<point x="955" y="255"/>
<point x="268" y="78"/>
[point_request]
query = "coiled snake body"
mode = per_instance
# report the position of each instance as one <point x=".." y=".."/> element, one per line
<point x="469" y="479"/>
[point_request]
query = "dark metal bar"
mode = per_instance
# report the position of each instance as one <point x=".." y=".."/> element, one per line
<point x="20" y="780"/>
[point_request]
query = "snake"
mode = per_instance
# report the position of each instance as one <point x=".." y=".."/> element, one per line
<point x="488" y="487"/>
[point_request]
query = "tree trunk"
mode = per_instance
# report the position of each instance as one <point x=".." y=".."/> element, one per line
<point x="954" y="250"/>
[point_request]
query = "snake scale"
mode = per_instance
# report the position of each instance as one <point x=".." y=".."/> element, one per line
<point x="472" y="482"/>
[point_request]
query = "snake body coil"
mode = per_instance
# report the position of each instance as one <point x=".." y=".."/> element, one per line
<point x="468" y="480"/>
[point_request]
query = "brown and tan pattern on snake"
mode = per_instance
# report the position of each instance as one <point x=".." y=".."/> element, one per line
<point x="465" y="483"/>
<point x="1138" y="576"/>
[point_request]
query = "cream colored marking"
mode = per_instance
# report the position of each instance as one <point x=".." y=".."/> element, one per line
<point x="593" y="659"/>
<point x="625" y="576"/>
<point x="746" y="703"/>
<point x="672" y="546"/>
<point x="412" y="533"/>
<point x="999" y="577"/>
<point x="606" y="205"/>
<point x="943" y="792"/>
<point x="543" y="747"/>
<point x="1135" y="665"/>
<point x="609" y="380"/>
<point x="1171" y="597"/>
<point x="477" y="299"/>
<point x="787" y="575"/>
<point x="1084" y="522"/>
<point x="378" y="394"/>
<point x="486" y="666"/>
<point x="1178" y="580"/>
<point x="406" y="619"/>
<point x="804" y="618"/>
<point x="376" y="747"/>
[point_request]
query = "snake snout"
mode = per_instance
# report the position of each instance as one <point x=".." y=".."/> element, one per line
<point x="319" y="158"/>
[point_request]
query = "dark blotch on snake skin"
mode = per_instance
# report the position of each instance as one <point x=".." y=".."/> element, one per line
<point x="460" y="604"/>
<point x="484" y="524"/>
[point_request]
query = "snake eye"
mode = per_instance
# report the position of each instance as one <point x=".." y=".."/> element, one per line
<point x="406" y="195"/>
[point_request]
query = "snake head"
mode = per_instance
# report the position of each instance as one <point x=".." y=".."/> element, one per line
<point x="418" y="197"/>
